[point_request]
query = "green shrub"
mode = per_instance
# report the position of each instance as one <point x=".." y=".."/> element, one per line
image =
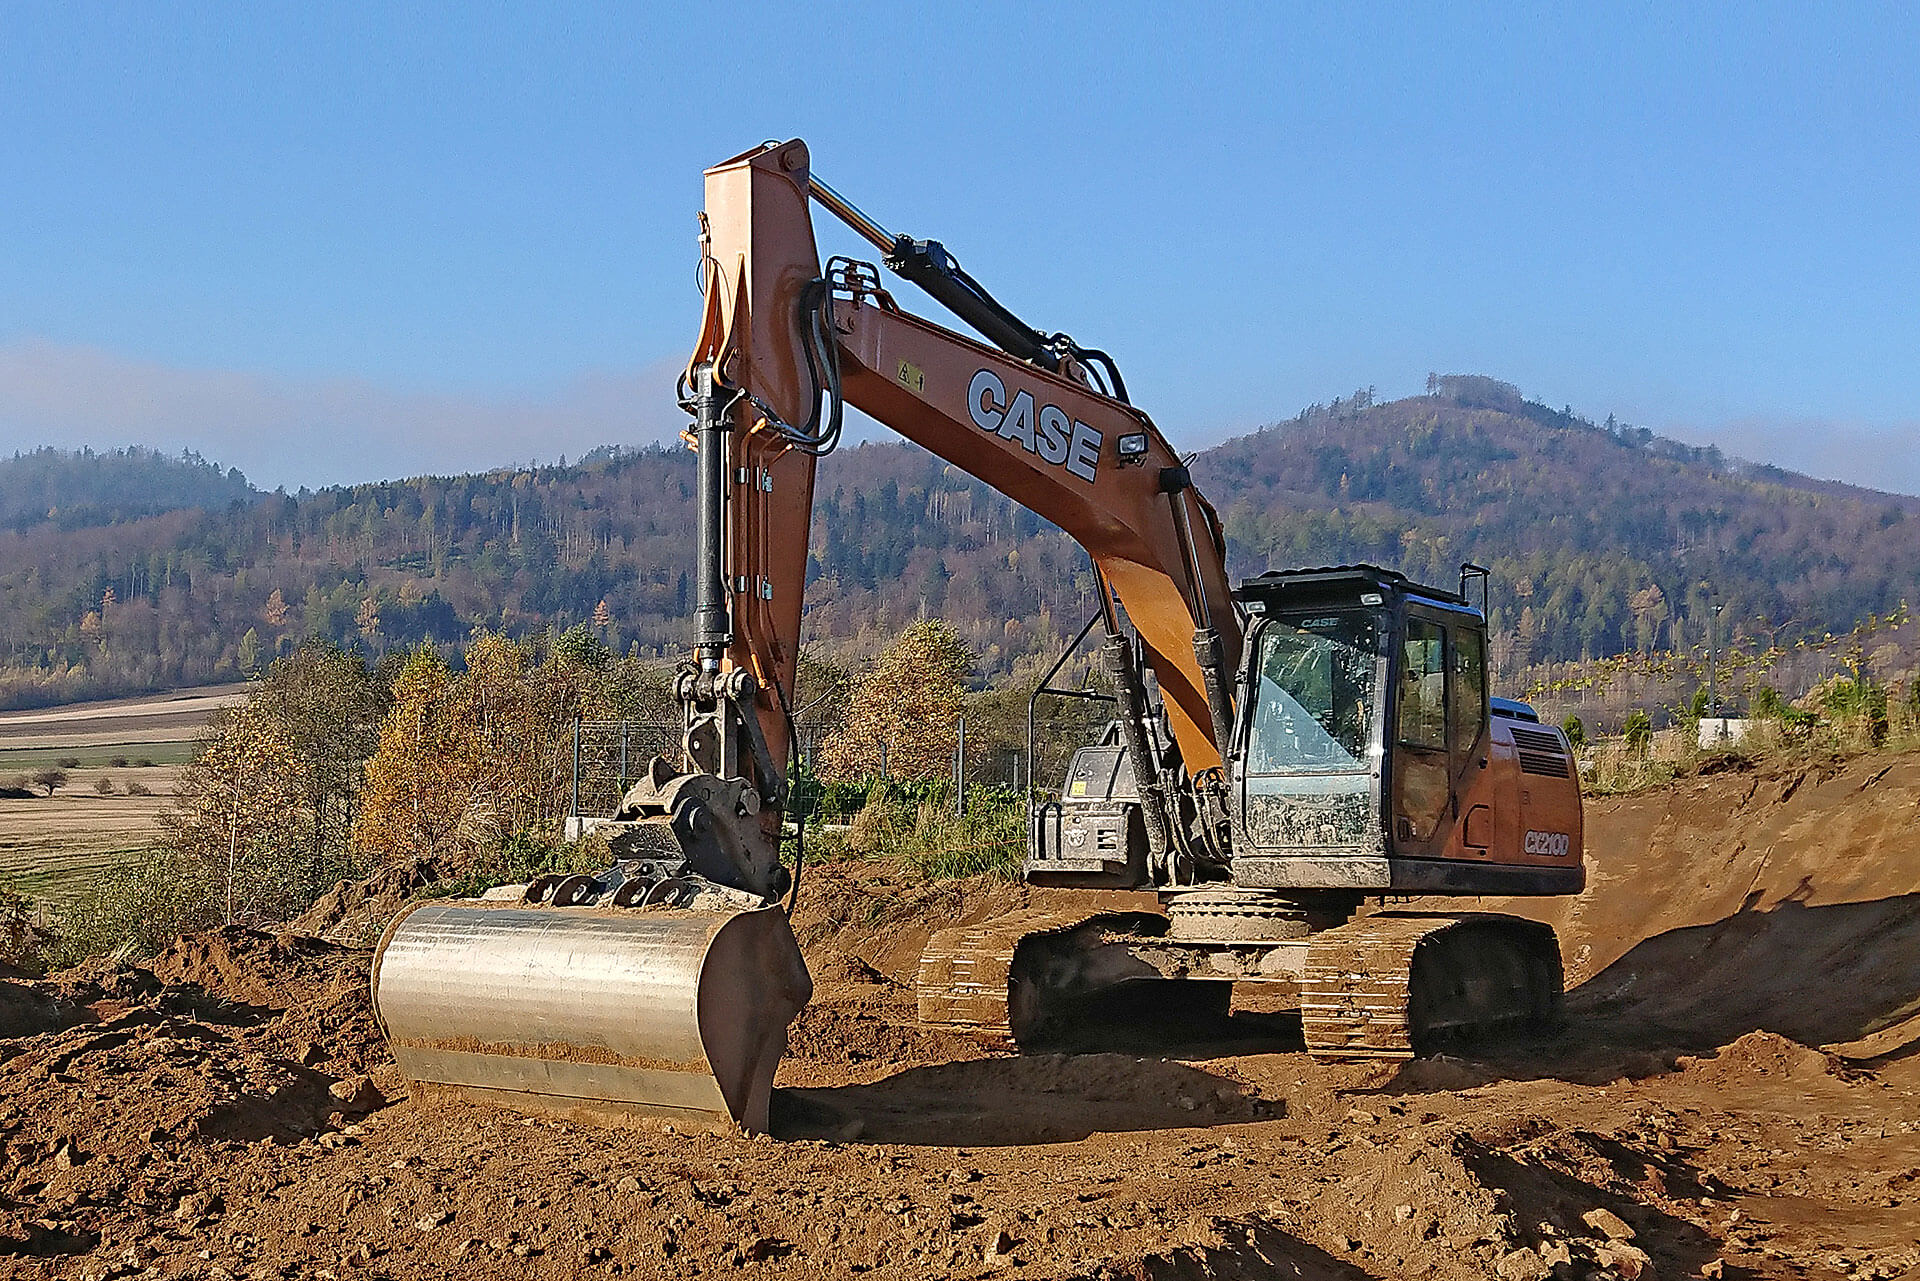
<point x="25" y="934"/>
<point x="1637" y="730"/>
<point x="914" y="824"/>
<point x="137" y="908"/>
<point x="518" y="859"/>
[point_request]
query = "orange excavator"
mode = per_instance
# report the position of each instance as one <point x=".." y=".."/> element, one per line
<point x="1288" y="758"/>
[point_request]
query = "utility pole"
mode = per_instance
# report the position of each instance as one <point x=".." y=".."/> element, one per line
<point x="960" y="771"/>
<point x="573" y="807"/>
<point x="1713" y="662"/>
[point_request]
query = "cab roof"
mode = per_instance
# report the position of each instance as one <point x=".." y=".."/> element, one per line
<point x="1340" y="585"/>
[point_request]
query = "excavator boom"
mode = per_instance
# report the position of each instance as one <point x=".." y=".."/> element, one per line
<point x="665" y="982"/>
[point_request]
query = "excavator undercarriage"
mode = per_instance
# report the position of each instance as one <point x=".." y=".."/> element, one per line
<point x="1288" y="762"/>
<point x="1390" y="985"/>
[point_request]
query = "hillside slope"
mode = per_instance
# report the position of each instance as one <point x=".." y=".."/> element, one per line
<point x="1599" y="539"/>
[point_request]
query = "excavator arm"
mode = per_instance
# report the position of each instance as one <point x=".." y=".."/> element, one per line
<point x="787" y="345"/>
<point x="665" y="982"/>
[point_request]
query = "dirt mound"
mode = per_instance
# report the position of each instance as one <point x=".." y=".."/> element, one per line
<point x="255" y="967"/>
<point x="1764" y="1055"/>
<point x="120" y="1083"/>
<point x="883" y="915"/>
<point x="849" y="1031"/>
<point x="831" y="967"/>
<point x="1786" y="899"/>
<point x="357" y="912"/>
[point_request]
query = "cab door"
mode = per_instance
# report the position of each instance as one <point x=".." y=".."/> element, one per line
<point x="1422" y="773"/>
<point x="1440" y="724"/>
<point x="1468" y="744"/>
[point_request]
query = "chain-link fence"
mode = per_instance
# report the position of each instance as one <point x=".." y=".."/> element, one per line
<point x="608" y="756"/>
<point x="973" y="820"/>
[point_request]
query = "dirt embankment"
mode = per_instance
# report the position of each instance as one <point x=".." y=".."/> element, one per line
<point x="228" y="1111"/>
<point x="1785" y="898"/>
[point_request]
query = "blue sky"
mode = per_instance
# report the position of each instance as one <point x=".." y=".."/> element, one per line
<point x="343" y="243"/>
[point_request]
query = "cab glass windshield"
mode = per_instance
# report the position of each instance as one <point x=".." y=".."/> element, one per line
<point x="1314" y="696"/>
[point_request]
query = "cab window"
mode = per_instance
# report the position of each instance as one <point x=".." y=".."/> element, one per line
<point x="1422" y="700"/>
<point x="1313" y="705"/>
<point x="1469" y="706"/>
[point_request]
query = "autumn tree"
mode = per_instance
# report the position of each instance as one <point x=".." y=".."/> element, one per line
<point x="418" y="781"/>
<point x="468" y="760"/>
<point x="247" y="653"/>
<point x="274" y="613"/>
<point x="237" y="828"/>
<point x="903" y="712"/>
<point x="1649" y="608"/>
<point x="822" y="686"/>
<point x="259" y="822"/>
<point x="329" y="705"/>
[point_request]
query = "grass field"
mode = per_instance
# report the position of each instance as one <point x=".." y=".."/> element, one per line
<point x="51" y="847"/>
<point x="15" y="760"/>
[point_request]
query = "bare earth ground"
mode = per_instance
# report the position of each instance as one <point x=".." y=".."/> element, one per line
<point x="228" y="1111"/>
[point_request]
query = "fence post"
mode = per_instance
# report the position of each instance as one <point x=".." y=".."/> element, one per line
<point x="960" y="771"/>
<point x="623" y="757"/>
<point x="575" y="808"/>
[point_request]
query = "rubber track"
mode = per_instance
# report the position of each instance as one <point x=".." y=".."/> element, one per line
<point x="962" y="980"/>
<point x="1354" y="995"/>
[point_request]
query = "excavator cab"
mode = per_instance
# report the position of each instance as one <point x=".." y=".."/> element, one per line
<point x="1366" y="756"/>
<point x="1369" y="753"/>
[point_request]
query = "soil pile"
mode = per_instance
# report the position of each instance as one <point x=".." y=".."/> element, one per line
<point x="227" y="1111"/>
<point x="119" y="1083"/>
<point x="357" y="912"/>
<point x="1785" y="898"/>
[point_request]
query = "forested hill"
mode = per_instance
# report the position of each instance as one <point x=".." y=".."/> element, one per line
<point x="1599" y="536"/>
<point x="71" y="490"/>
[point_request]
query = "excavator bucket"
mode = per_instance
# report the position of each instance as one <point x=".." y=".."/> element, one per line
<point x="599" y="1012"/>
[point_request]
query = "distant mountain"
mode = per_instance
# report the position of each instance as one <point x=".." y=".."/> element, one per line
<point x="1600" y="538"/>
<point x="72" y="490"/>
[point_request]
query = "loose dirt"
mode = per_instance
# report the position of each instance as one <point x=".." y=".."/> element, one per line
<point x="1736" y="1094"/>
